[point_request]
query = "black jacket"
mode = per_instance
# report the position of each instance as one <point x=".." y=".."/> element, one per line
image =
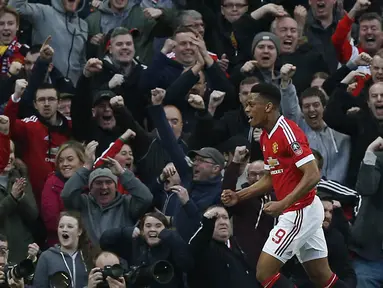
<point x="211" y="132"/>
<point x="367" y="232"/>
<point x="137" y="252"/>
<point x="308" y="62"/>
<point x="132" y="90"/>
<point x="362" y="127"/>
<point x="217" y="265"/>
<point x="177" y="94"/>
<point x="84" y="127"/>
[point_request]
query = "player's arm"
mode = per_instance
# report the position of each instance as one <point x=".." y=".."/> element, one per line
<point x="259" y="188"/>
<point x="310" y="179"/>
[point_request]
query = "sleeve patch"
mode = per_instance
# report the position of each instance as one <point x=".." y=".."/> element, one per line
<point x="296" y="148"/>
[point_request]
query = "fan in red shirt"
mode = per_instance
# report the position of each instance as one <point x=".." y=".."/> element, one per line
<point x="293" y="174"/>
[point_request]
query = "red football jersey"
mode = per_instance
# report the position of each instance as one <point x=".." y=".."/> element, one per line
<point x="285" y="149"/>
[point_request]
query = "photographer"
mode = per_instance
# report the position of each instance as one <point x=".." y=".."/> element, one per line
<point x="71" y="256"/>
<point x="5" y="266"/>
<point x="155" y="242"/>
<point x="104" y="261"/>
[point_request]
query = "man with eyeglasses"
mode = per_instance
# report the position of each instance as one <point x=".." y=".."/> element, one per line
<point x="251" y="226"/>
<point x="40" y="135"/>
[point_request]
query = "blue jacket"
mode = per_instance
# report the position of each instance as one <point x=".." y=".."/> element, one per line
<point x="202" y="194"/>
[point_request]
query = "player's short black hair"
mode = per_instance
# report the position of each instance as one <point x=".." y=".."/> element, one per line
<point x="269" y="92"/>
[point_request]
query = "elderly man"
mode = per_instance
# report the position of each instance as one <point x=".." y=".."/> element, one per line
<point x="104" y="208"/>
<point x="219" y="260"/>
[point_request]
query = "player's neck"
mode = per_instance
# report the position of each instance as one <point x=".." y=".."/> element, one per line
<point x="272" y="121"/>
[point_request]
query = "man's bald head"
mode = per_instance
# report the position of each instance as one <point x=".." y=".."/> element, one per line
<point x="175" y="119"/>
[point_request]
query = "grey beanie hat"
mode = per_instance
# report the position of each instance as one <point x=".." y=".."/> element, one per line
<point x="266" y="36"/>
<point x="101" y="172"/>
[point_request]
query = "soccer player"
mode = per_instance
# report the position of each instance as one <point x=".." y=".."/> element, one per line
<point x="293" y="173"/>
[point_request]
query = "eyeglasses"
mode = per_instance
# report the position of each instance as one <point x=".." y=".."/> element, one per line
<point x="202" y="160"/>
<point x="44" y="100"/>
<point x="234" y="5"/>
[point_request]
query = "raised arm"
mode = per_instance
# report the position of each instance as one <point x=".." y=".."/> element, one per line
<point x="29" y="11"/>
<point x="18" y="128"/>
<point x="289" y="100"/>
<point x="370" y="171"/>
<point x="167" y="137"/>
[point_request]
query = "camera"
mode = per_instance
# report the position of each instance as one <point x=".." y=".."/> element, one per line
<point x="22" y="270"/>
<point x="143" y="275"/>
<point x="114" y="271"/>
<point x="161" y="272"/>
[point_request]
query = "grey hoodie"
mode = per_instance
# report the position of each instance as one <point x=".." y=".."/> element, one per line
<point x="334" y="146"/>
<point x="109" y="19"/>
<point x="123" y="211"/>
<point x="53" y="260"/>
<point x="69" y="34"/>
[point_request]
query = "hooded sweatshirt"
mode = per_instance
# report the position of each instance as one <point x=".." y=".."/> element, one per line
<point x="69" y="34"/>
<point x="334" y="146"/>
<point x="106" y="19"/>
<point x="53" y="260"/>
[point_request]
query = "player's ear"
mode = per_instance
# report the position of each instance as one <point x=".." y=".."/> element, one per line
<point x="269" y="106"/>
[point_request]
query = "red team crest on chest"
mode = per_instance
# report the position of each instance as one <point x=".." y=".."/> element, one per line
<point x="296" y="148"/>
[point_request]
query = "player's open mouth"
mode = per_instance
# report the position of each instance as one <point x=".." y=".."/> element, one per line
<point x="250" y="119"/>
<point x="65" y="236"/>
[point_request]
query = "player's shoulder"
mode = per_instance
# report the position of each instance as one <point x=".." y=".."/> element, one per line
<point x="290" y="130"/>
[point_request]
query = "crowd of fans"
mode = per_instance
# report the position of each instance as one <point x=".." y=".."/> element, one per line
<point x="122" y="121"/>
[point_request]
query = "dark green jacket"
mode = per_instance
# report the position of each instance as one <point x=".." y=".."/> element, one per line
<point x="16" y="216"/>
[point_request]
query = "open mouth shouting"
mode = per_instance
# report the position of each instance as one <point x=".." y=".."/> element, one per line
<point x="65" y="236"/>
<point x="152" y="235"/>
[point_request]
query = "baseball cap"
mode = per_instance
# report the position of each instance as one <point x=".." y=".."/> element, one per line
<point x="101" y="172"/>
<point x="209" y="152"/>
<point x="99" y="95"/>
<point x="66" y="95"/>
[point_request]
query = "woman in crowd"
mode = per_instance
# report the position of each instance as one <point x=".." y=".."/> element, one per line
<point x="69" y="158"/>
<point x="153" y="241"/>
<point x="72" y="255"/>
<point x="18" y="209"/>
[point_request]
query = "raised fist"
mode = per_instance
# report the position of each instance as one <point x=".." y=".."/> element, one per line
<point x="287" y="72"/>
<point x="196" y="102"/>
<point x="20" y="86"/>
<point x="158" y="95"/>
<point x="94" y="65"/>
<point x="117" y="101"/>
<point x="4" y="125"/>
<point x="116" y="80"/>
<point x="249" y="66"/>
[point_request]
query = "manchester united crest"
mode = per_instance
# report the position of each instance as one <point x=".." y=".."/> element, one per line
<point x="275" y="147"/>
